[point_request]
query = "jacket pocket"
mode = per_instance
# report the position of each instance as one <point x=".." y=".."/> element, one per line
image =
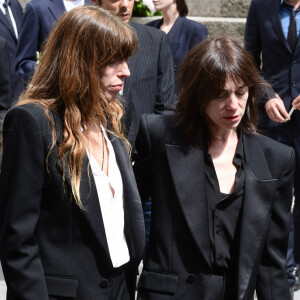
<point x="159" y="282"/>
<point x="61" y="286"/>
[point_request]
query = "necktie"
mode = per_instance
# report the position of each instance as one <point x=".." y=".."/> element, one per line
<point x="292" y="31"/>
<point x="5" y="5"/>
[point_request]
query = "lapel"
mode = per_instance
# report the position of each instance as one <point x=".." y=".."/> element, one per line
<point x="134" y="218"/>
<point x="88" y="194"/>
<point x="56" y="8"/>
<point x="187" y="168"/>
<point x="274" y="13"/>
<point x="16" y="13"/>
<point x="256" y="212"/>
<point x="6" y="23"/>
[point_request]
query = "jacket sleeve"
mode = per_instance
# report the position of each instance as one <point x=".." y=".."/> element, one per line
<point x="272" y="281"/>
<point x="21" y="186"/>
<point x="165" y="79"/>
<point x="142" y="166"/>
<point x="199" y="34"/>
<point x="254" y="47"/>
<point x="28" y="44"/>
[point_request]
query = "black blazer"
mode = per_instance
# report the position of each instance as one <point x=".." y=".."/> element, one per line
<point x="264" y="38"/>
<point x="49" y="248"/>
<point x="39" y="19"/>
<point x="150" y="87"/>
<point x="6" y="87"/>
<point x="7" y="32"/>
<point x="179" y="238"/>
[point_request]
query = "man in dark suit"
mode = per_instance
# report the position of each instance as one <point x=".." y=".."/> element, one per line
<point x="9" y="30"/>
<point x="39" y="18"/>
<point x="271" y="37"/>
<point x="150" y="87"/>
<point x="6" y="92"/>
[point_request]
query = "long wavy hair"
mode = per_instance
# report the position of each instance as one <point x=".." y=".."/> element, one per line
<point x="203" y="74"/>
<point x="67" y="81"/>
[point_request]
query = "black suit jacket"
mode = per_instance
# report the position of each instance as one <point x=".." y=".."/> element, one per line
<point x="39" y="19"/>
<point x="49" y="248"/>
<point x="264" y="38"/>
<point x="172" y="173"/>
<point x="7" y="32"/>
<point x="150" y="87"/>
<point x="6" y="87"/>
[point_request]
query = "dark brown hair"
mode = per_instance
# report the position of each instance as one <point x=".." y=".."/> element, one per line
<point x="182" y="8"/>
<point x="67" y="80"/>
<point x="203" y="74"/>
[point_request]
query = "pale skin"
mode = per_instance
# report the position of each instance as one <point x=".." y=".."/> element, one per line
<point x="225" y="113"/>
<point x="120" y="8"/>
<point x="275" y="107"/>
<point x="169" y="11"/>
<point x="112" y="78"/>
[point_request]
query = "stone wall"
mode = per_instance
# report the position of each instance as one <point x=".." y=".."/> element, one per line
<point x="220" y="16"/>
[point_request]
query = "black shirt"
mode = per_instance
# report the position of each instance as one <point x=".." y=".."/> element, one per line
<point x="223" y="212"/>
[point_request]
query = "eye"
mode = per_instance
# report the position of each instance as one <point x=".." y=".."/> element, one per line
<point x="221" y="95"/>
<point x="241" y="92"/>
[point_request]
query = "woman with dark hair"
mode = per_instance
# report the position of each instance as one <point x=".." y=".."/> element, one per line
<point x="221" y="193"/>
<point x="71" y="219"/>
<point x="183" y="34"/>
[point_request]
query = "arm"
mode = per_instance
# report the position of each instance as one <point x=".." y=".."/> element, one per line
<point x="142" y="164"/>
<point x="273" y="103"/>
<point x="199" y="34"/>
<point x="21" y="187"/>
<point x="28" y="44"/>
<point x="272" y="281"/>
<point x="5" y="80"/>
<point x="165" y="79"/>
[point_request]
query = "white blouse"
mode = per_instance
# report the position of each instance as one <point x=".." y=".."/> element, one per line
<point x="112" y="206"/>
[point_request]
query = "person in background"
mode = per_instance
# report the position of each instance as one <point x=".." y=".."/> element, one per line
<point x="221" y="192"/>
<point x="183" y="34"/>
<point x="6" y="85"/>
<point x="272" y="37"/>
<point x="39" y="18"/>
<point x="11" y="15"/>
<point x="150" y="87"/>
<point x="71" y="220"/>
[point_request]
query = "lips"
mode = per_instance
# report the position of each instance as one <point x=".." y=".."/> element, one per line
<point x="232" y="118"/>
<point x="117" y="87"/>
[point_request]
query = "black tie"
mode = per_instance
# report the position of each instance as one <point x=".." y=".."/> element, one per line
<point x="292" y="33"/>
<point x="5" y="5"/>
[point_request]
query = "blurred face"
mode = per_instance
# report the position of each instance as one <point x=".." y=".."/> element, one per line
<point x="112" y="78"/>
<point x="121" y="8"/>
<point x="226" y="110"/>
<point x="163" y="4"/>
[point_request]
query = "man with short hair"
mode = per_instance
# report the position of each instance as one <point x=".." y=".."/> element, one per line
<point x="150" y="88"/>
<point x="39" y="18"/>
<point x="271" y="36"/>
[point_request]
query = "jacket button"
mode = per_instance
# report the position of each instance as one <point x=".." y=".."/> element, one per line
<point x="104" y="283"/>
<point x="191" y="279"/>
<point x="293" y="83"/>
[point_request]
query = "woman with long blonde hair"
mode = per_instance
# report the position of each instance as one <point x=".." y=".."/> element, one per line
<point x="71" y="218"/>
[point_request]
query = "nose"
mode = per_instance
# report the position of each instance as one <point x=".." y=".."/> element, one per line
<point x="123" y="70"/>
<point x="124" y="5"/>
<point x="232" y="102"/>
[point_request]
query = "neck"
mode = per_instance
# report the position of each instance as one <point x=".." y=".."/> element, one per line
<point x="295" y="3"/>
<point x="170" y="15"/>
<point x="223" y="136"/>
